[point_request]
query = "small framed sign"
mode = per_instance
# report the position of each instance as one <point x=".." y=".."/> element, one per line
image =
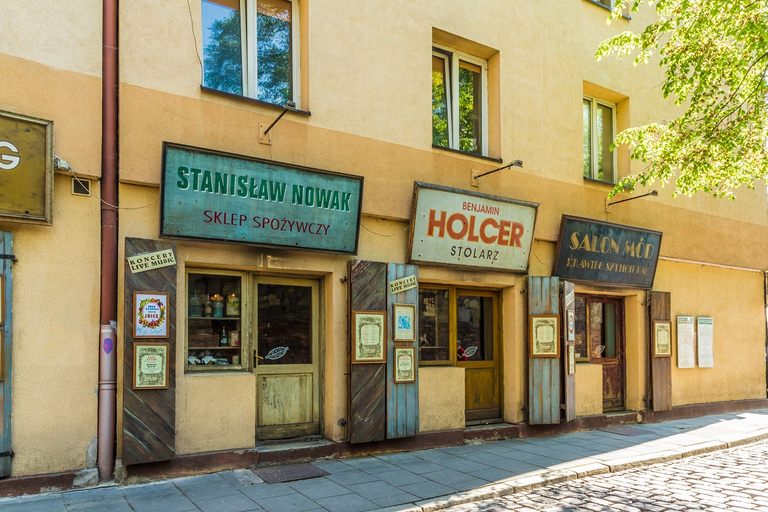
<point x="2" y="299"/>
<point x="404" y="320"/>
<point x="571" y="359"/>
<point x="150" y="365"/>
<point x="150" y="315"/>
<point x="405" y="365"/>
<point x="571" y="316"/>
<point x="662" y="338"/>
<point x="544" y="335"/>
<point x="368" y="336"/>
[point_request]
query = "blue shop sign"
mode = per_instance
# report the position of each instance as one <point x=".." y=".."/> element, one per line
<point x="219" y="197"/>
<point x="606" y="253"/>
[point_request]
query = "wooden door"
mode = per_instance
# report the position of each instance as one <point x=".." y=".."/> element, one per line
<point x="568" y="352"/>
<point x="6" y="283"/>
<point x="605" y="324"/>
<point x="286" y="359"/>
<point x="477" y="352"/>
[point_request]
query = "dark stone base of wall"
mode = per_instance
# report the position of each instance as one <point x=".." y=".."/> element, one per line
<point x="201" y="463"/>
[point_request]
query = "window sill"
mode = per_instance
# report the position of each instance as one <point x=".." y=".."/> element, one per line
<point x="252" y="100"/>
<point x="466" y="153"/>
<point x="608" y="8"/>
<point x="600" y="182"/>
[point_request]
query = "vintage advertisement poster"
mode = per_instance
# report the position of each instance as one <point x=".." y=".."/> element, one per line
<point x="404" y="322"/>
<point x="150" y="365"/>
<point x="706" y="342"/>
<point x="543" y="335"/>
<point x="662" y="339"/>
<point x="368" y="336"/>
<point x="686" y="341"/>
<point x="405" y="365"/>
<point x="150" y="315"/>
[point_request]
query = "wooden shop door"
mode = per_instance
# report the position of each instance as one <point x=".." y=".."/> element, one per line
<point x="477" y="353"/>
<point x="286" y="359"/>
<point x="606" y="334"/>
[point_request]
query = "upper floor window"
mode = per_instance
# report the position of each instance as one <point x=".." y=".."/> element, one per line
<point x="459" y="101"/>
<point x="250" y="48"/>
<point x="599" y="121"/>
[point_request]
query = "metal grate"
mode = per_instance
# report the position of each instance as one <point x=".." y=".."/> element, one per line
<point x="81" y="187"/>
<point x="625" y="430"/>
<point x="277" y="474"/>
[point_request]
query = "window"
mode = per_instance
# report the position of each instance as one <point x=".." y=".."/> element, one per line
<point x="599" y="127"/>
<point x="459" y="101"/>
<point x="598" y="328"/>
<point x="455" y="325"/>
<point x="250" y="48"/>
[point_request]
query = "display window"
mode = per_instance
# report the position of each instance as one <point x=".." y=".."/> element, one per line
<point x="215" y="327"/>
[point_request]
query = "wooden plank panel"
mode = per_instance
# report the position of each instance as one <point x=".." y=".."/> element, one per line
<point x="543" y="373"/>
<point x="149" y="416"/>
<point x="367" y="382"/>
<point x="6" y="268"/>
<point x="286" y="399"/>
<point x="661" y="367"/>
<point x="403" y="398"/>
<point x="569" y="381"/>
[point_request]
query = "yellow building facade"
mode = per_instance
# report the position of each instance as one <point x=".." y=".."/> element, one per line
<point x="282" y="333"/>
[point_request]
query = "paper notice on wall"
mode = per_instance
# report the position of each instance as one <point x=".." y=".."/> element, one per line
<point x="686" y="352"/>
<point x="705" y="330"/>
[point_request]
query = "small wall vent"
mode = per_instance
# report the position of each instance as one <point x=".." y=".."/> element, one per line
<point x="81" y="187"/>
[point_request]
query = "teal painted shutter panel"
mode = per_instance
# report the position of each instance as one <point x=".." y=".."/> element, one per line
<point x="569" y="381"/>
<point x="543" y="372"/>
<point x="6" y="266"/>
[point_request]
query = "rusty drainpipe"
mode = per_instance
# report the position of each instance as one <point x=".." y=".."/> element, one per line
<point x="108" y="317"/>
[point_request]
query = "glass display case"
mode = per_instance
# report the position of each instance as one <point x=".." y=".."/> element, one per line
<point x="215" y="337"/>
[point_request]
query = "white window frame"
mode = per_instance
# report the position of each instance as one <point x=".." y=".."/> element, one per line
<point x="452" y="58"/>
<point x="594" y="150"/>
<point x="249" y="51"/>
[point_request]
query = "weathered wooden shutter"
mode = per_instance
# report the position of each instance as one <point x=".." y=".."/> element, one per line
<point x="402" y="398"/>
<point x="661" y="367"/>
<point x="569" y="380"/>
<point x="6" y="265"/>
<point x="543" y="372"/>
<point x="149" y="416"/>
<point x="367" y="382"/>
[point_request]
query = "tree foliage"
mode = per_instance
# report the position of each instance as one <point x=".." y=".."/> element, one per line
<point x="715" y="56"/>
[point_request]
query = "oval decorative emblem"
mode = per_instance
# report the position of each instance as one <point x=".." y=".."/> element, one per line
<point x="276" y="353"/>
<point x="470" y="351"/>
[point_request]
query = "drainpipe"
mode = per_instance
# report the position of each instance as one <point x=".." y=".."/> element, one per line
<point x="108" y="317"/>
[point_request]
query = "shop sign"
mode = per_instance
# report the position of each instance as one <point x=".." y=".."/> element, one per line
<point x="605" y="253"/>
<point x="151" y="261"/>
<point x="26" y="168"/>
<point x="219" y="197"/>
<point x="468" y="229"/>
<point x="402" y="285"/>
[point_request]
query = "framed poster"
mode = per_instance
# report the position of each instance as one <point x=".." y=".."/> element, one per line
<point x="150" y="315"/>
<point x="368" y="341"/>
<point x="2" y="299"/>
<point x="686" y="342"/>
<point x="2" y="355"/>
<point x="544" y="335"/>
<point x="705" y="329"/>
<point x="571" y="359"/>
<point x="150" y="365"/>
<point x="571" y="316"/>
<point x="404" y="320"/>
<point x="405" y="365"/>
<point x="662" y="338"/>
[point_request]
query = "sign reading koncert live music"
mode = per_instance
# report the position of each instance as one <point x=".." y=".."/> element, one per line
<point x="219" y="197"/>
<point x="468" y="229"/>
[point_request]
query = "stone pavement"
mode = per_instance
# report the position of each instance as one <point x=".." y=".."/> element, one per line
<point x="423" y="480"/>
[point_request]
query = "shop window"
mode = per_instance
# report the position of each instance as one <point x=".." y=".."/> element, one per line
<point x="284" y="324"/>
<point x="597" y="328"/>
<point x="599" y="130"/>
<point x="611" y="4"/>
<point x="250" y="48"/>
<point x="214" y="321"/>
<point x="455" y="325"/>
<point x="459" y="101"/>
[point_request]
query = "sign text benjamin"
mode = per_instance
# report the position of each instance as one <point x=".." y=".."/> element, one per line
<point x="457" y="227"/>
<point x="221" y="197"/>
<point x="605" y="253"/>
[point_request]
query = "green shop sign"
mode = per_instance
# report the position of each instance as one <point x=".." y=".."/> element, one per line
<point x="212" y="196"/>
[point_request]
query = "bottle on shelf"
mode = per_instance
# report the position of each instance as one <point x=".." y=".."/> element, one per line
<point x="223" y="341"/>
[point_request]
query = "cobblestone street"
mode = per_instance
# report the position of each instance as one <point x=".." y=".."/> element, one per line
<point x="732" y="480"/>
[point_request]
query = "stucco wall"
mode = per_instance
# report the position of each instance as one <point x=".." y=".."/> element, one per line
<point x="589" y="389"/>
<point x="441" y="398"/>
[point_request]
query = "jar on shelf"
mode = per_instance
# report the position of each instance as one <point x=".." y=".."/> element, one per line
<point x="217" y="306"/>
<point x="195" y="306"/>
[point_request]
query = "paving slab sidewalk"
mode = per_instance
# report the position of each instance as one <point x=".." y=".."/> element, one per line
<point x="421" y="481"/>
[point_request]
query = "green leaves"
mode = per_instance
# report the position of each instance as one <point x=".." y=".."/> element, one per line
<point x="715" y="56"/>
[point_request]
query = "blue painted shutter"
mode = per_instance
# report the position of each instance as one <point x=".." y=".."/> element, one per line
<point x="543" y="372"/>
<point x="6" y="248"/>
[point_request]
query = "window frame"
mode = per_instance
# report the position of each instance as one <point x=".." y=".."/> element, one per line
<point x="594" y="102"/>
<point x="452" y="58"/>
<point x="249" y="53"/>
<point x="618" y="302"/>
